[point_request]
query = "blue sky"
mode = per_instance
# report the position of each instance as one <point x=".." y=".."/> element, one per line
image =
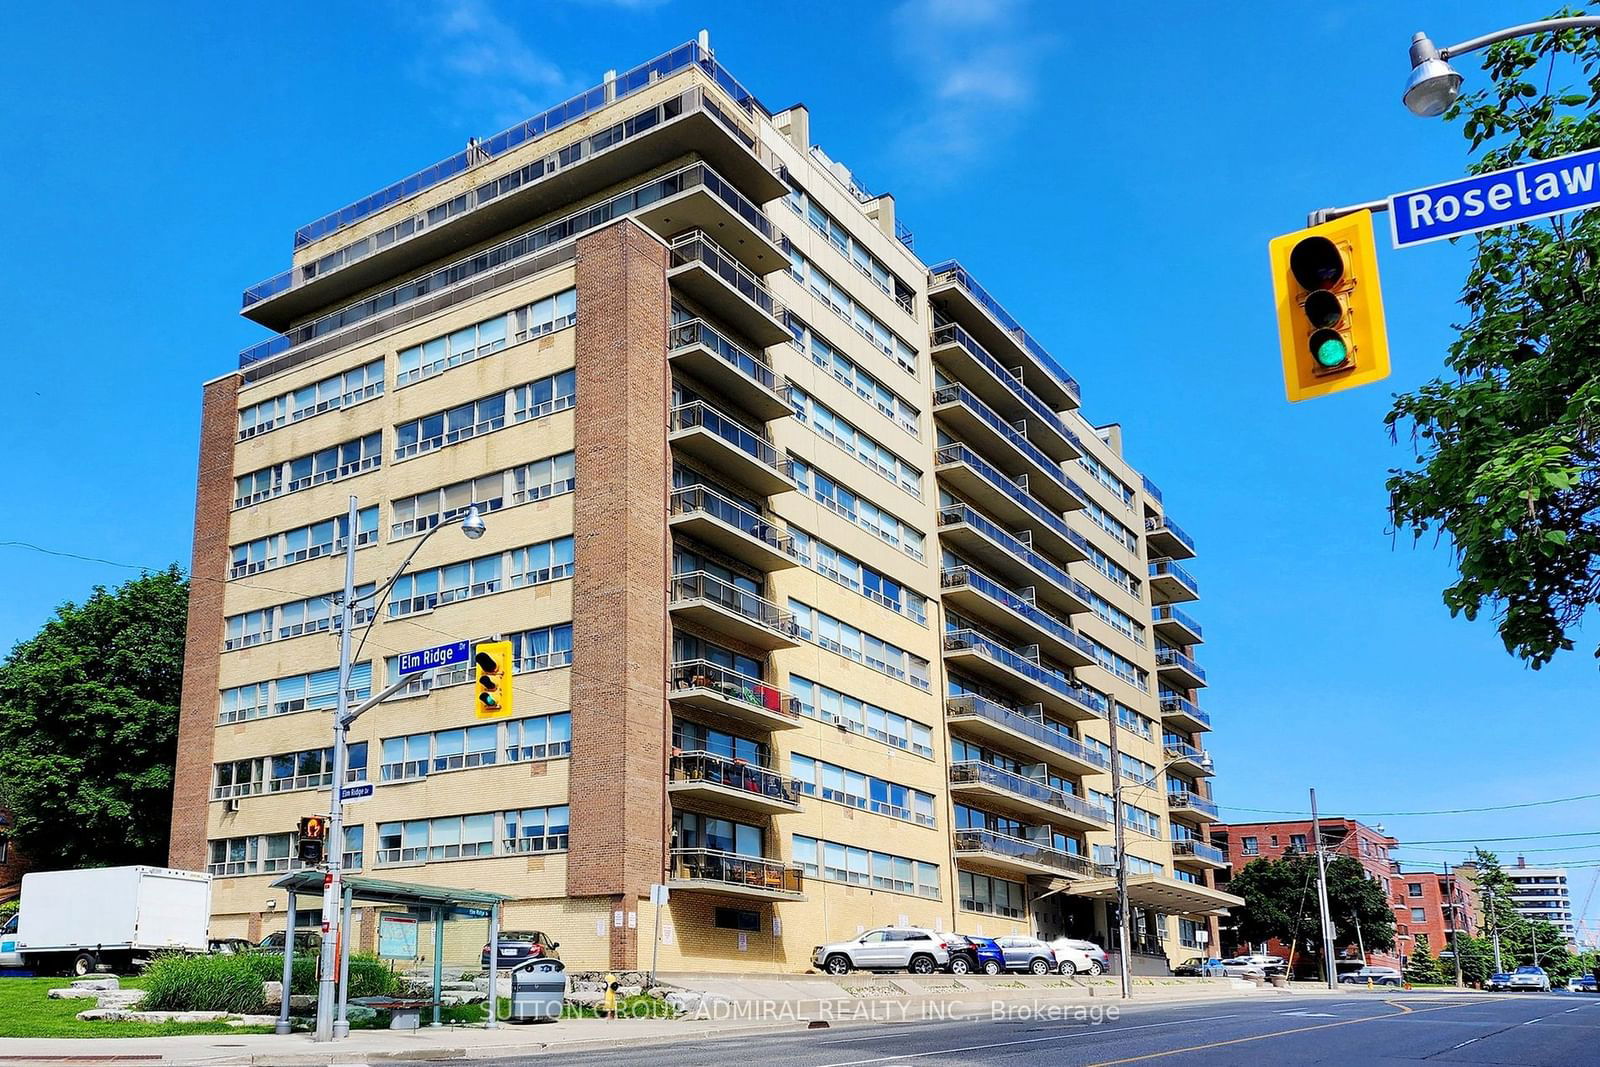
<point x="1114" y="186"/>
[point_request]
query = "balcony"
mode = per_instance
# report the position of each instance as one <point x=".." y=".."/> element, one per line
<point x="974" y="478"/>
<point x="1182" y="756"/>
<point x="1034" y="799"/>
<point x="1166" y="538"/>
<point x="1192" y="853"/>
<point x="982" y="598"/>
<point x="1005" y="554"/>
<point x="956" y="294"/>
<point x="962" y="358"/>
<point x="979" y="425"/>
<point x="706" y="600"/>
<point x="1178" y="670"/>
<point x="1182" y="803"/>
<point x="719" y="780"/>
<point x="711" y="870"/>
<point x="1015" y="732"/>
<point x="1183" y="714"/>
<point x="1016" y="856"/>
<point x="1171" y="584"/>
<point x="720" y="284"/>
<point x="728" y="447"/>
<point x="1174" y="625"/>
<point x="712" y="688"/>
<point x="731" y="528"/>
<point x="744" y="378"/>
<point x="1016" y="673"/>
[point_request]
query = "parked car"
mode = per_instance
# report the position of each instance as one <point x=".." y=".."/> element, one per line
<point x="1242" y="967"/>
<point x="1584" y="983"/>
<point x="229" y="946"/>
<point x="1378" y="976"/>
<point x="888" y="948"/>
<point x="977" y="954"/>
<point x="1025" y="953"/>
<point x="1086" y="957"/>
<point x="1200" y="967"/>
<point x="306" y="942"/>
<point x="519" y="945"/>
<point x="1529" y="977"/>
<point x="1269" y="964"/>
<point x="1499" y="981"/>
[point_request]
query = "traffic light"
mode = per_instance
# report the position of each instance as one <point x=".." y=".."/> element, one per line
<point x="1330" y="307"/>
<point x="492" y="663"/>
<point x="313" y="839"/>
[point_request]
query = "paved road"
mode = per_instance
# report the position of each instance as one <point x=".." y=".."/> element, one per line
<point x="1365" y="1029"/>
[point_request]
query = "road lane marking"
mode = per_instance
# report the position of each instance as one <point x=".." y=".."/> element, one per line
<point x="1463" y="1044"/>
<point x="1276" y="1033"/>
<point x="1024" y="1041"/>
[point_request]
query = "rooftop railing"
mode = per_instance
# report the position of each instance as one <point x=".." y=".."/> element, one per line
<point x="1168" y="567"/>
<point x="699" y="585"/>
<point x="959" y="453"/>
<point x="976" y="772"/>
<point x="1167" y="611"/>
<point x="957" y="577"/>
<point x="696" y="332"/>
<point x="952" y="270"/>
<point x="1151" y="490"/>
<point x="964" y="513"/>
<point x="1177" y="532"/>
<point x="700" y="414"/>
<point x="1033" y="729"/>
<point x="712" y="769"/>
<point x="736" y="869"/>
<point x="951" y="333"/>
<point x="958" y="640"/>
<point x="1028" y="851"/>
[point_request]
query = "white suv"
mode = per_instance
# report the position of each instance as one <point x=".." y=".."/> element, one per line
<point x="889" y="948"/>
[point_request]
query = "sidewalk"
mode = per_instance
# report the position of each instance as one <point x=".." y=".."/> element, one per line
<point x="736" y="1005"/>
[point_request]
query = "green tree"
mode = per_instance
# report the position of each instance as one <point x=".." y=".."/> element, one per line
<point x="1506" y="447"/>
<point x="89" y="724"/>
<point x="1280" y="902"/>
<point x="1421" y="967"/>
<point x="1477" y="959"/>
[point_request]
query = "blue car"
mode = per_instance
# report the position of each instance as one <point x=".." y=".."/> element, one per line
<point x="971" y="955"/>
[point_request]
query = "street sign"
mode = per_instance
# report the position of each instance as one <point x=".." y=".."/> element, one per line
<point x="352" y="793"/>
<point x="461" y="912"/>
<point x="427" y="659"/>
<point x="1500" y="198"/>
<point x="658" y="894"/>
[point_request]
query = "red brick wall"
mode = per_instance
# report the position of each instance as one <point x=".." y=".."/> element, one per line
<point x="619" y="626"/>
<point x="197" y="718"/>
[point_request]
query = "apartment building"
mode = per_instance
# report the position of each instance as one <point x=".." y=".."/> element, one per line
<point x="1542" y="893"/>
<point x="824" y="594"/>
<point x="1435" y="904"/>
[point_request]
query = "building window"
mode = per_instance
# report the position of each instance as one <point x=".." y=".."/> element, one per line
<point x="841" y="637"/>
<point x="991" y="896"/>
<point x="829" y="705"/>
<point x="1248" y="845"/>
<point x="867" y="792"/>
<point x="487" y="337"/>
<point x="833" y="862"/>
<point x="1297" y="842"/>
<point x="1414" y="888"/>
<point x="1189" y="932"/>
<point x="1419" y="915"/>
<point x="354" y="841"/>
<point x="445" y="838"/>
<point x="302" y="543"/>
<point x="737" y="919"/>
<point x="536" y="829"/>
<point x="539" y="480"/>
<point x="330" y="394"/>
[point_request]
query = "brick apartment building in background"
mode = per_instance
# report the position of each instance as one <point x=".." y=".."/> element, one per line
<point x="12" y="864"/>
<point x="1433" y="903"/>
<point x="824" y="594"/>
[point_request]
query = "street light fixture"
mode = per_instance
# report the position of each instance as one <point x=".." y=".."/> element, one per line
<point x="1434" y="84"/>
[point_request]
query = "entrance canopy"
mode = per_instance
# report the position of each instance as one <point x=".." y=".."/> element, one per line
<point x="401" y="894"/>
<point x="1162" y="893"/>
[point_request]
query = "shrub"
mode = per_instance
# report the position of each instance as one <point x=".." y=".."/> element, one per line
<point x="369" y="976"/>
<point x="203" y="983"/>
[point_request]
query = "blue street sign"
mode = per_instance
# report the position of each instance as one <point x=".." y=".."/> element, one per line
<point x="1500" y="198"/>
<point x="352" y="793"/>
<point x="439" y="656"/>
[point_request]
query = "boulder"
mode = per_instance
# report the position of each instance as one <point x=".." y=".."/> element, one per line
<point x="359" y="1013"/>
<point x="457" y="986"/>
<point x="629" y="990"/>
<point x="272" y="995"/>
<point x="586" y="998"/>
<point x="253" y="1020"/>
<point x="686" y="1002"/>
<point x="122" y="1015"/>
<point x="96" y="983"/>
<point x="73" y="994"/>
<point x="302" y="1001"/>
<point x="120" y="998"/>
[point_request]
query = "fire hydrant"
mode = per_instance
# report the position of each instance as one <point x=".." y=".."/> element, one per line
<point x="609" y="1007"/>
<point x="1370" y="986"/>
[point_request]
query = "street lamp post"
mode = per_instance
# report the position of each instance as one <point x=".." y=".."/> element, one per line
<point x="333" y="935"/>
<point x="1434" y="84"/>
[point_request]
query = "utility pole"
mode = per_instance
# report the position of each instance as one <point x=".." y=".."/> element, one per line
<point x="1494" y="928"/>
<point x="1322" y="898"/>
<point x="1455" y="921"/>
<point x="1120" y="840"/>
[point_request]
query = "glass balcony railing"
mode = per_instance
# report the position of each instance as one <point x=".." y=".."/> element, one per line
<point x="735" y="869"/>
<point x="1190" y="848"/>
<point x="994" y="532"/>
<point x="711" y="769"/>
<point x="695" y="332"/>
<point x="959" y="394"/>
<point x="969" y="772"/>
<point x="950" y="333"/>
<point x="987" y="841"/>
<point x="1162" y="612"/>
<point x="1015" y="493"/>
<point x="698" y="585"/>
<point x="1171" y="528"/>
<point x="697" y="499"/>
<point x="957" y="577"/>
<point x="959" y="640"/>
<point x="1172" y="704"/>
<point x="696" y="247"/>
<point x="951" y="270"/>
<point x="1171" y="657"/>
<point x="700" y="415"/>
<point x="1176" y="748"/>
<point x="1166" y="567"/>
<point x="1186" y="800"/>
<point x="1033" y="729"/>
<point x="731" y="685"/>
<point x="1151" y="490"/>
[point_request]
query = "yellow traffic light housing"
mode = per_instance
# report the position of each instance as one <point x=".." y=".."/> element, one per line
<point x="1330" y="307"/>
<point x="491" y="662"/>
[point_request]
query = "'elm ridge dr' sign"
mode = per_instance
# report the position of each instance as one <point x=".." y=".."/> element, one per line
<point x="1501" y="198"/>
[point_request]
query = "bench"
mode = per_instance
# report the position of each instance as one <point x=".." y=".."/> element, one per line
<point x="403" y="1014"/>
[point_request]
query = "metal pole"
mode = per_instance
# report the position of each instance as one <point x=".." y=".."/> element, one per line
<point x="1361" y="943"/>
<point x="438" y="961"/>
<point x="1494" y="925"/>
<point x="1322" y="898"/>
<point x="282" y="1026"/>
<point x="341" y="1025"/>
<point x="1525" y="29"/>
<point x="494" y="968"/>
<point x="1120" y="840"/>
<point x="333" y="884"/>
<point x="1455" y="923"/>
<point x="655" y="946"/>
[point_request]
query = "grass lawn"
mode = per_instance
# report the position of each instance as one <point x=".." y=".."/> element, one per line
<point x="25" y="1011"/>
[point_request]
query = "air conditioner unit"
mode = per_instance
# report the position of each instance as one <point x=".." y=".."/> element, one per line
<point x="231" y="804"/>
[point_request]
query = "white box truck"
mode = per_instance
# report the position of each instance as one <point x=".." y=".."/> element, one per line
<point x="116" y="918"/>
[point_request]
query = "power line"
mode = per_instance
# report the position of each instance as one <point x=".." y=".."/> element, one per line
<point x="1482" y="840"/>
<point x="1409" y="814"/>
